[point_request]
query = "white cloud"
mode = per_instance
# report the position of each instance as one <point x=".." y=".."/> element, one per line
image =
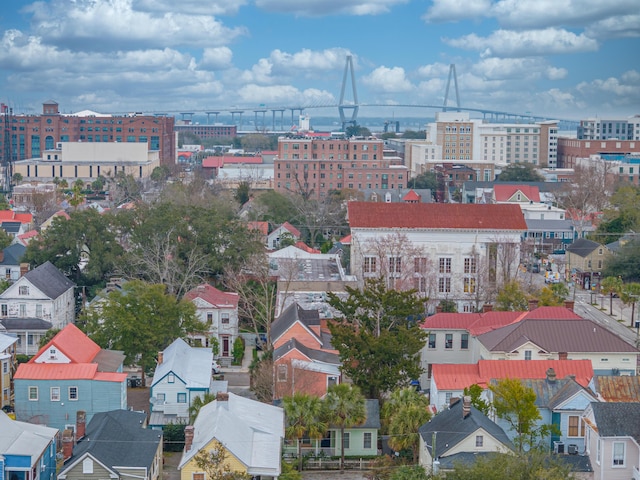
<point x="198" y="7"/>
<point x="283" y="95"/>
<point x="388" y="80"/>
<point x="308" y="60"/>
<point x="509" y="43"/>
<point x="455" y="10"/>
<point x="554" y="73"/>
<point x="259" y="73"/>
<point x="627" y="26"/>
<point x="95" y="26"/>
<point x="317" y="8"/>
<point x="216" y="58"/>
<point x="438" y="70"/>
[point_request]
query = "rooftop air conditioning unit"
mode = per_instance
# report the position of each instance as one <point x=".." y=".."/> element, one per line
<point x="572" y="449"/>
<point x="558" y="447"/>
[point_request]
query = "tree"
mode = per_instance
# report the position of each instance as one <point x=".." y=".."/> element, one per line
<point x="515" y="403"/>
<point x="46" y="338"/>
<point x="261" y="373"/>
<point x="475" y="393"/>
<point x="424" y="180"/>
<point x="630" y="295"/>
<point x="512" y="298"/>
<point x="357" y="131"/>
<point x="553" y="295"/>
<point x="624" y="263"/>
<point x="160" y="174"/>
<point x="4" y="203"/>
<point x="378" y="336"/>
<point x="622" y="217"/>
<point x="403" y="413"/>
<point x="173" y="437"/>
<point x="274" y="207"/>
<point x="520" y="172"/>
<point x="610" y="286"/>
<point x="345" y="408"/>
<point x="17" y="178"/>
<point x="304" y="418"/>
<point x="241" y="194"/>
<point x="199" y="402"/>
<point x="99" y="183"/>
<point x="5" y="239"/>
<point x="213" y="461"/>
<point x="76" y="197"/>
<point x="141" y="320"/>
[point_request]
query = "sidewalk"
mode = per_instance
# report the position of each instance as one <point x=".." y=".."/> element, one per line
<point x="246" y="362"/>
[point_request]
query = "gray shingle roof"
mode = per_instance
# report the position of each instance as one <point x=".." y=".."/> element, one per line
<point x="452" y="428"/>
<point x="49" y="280"/>
<point x="583" y="247"/>
<point x="292" y="314"/>
<point x="13" y="254"/>
<point x="118" y="438"/>
<point x="615" y="419"/>
<point x="311" y="353"/>
<point x="12" y="324"/>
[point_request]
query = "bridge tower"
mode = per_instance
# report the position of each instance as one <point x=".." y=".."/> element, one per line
<point x="348" y="68"/>
<point x="452" y="73"/>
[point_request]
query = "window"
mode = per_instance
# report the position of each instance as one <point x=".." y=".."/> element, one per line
<point x="618" y="454"/>
<point x="366" y="443"/>
<point x="23" y="290"/>
<point x="527" y="354"/>
<point x="445" y="265"/>
<point x="171" y="378"/>
<point x="370" y="265"/>
<point x="432" y="340"/>
<point x="33" y="394"/>
<point x="345" y="440"/>
<point x="444" y="285"/>
<point x="209" y="318"/>
<point x="198" y="476"/>
<point x="5" y="311"/>
<point x="87" y="465"/>
<point x="182" y="397"/>
<point x="224" y="318"/>
<point x="23" y="309"/>
<point x="448" y="340"/>
<point x="420" y="265"/>
<point x="38" y="310"/>
<point x="73" y="393"/>
<point x="464" y="341"/>
<point x="447" y="397"/>
<point x="470" y="265"/>
<point x="479" y="440"/>
<point x="576" y="426"/>
<point x="395" y="264"/>
<point x="55" y="394"/>
<point x="161" y="397"/>
<point x="282" y="373"/>
<point x="469" y="285"/>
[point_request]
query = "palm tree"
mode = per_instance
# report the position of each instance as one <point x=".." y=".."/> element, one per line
<point x="629" y="295"/>
<point x="403" y="414"/>
<point x="198" y="403"/>
<point x="304" y="417"/>
<point x="609" y="286"/>
<point x="345" y="408"/>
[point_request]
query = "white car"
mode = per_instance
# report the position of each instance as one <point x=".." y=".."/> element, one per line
<point x="215" y="367"/>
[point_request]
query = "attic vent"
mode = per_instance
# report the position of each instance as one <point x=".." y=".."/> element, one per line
<point x="52" y="353"/>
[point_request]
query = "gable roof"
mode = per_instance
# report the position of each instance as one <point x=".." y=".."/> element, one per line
<point x="582" y="247"/>
<point x="6" y="341"/>
<point x="11" y="216"/>
<point x="73" y="343"/>
<point x="617" y="419"/>
<point x="436" y="216"/>
<point x="453" y="428"/>
<point x="411" y="196"/>
<point x="459" y="376"/>
<point x="12" y="255"/>
<point x="22" y="438"/>
<point x="503" y="193"/>
<point x="617" y="388"/>
<point x="313" y="354"/>
<point x="292" y="314"/>
<point x="551" y="393"/>
<point x="213" y="296"/>
<point x="192" y="365"/>
<point x="561" y="335"/>
<point x="475" y="323"/>
<point x="291" y="229"/>
<point x="117" y="439"/>
<point x="262" y="227"/>
<point x="250" y="430"/>
<point x="49" y="280"/>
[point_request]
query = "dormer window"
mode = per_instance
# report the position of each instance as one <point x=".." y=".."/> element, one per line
<point x="23" y="290"/>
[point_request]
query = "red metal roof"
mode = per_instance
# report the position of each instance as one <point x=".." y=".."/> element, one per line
<point x="212" y="295"/>
<point x="458" y="377"/>
<point x="262" y="227"/>
<point x="411" y="196"/>
<point x="66" y="371"/>
<point x="436" y="216"/>
<point x="303" y="246"/>
<point x="552" y="313"/>
<point x="504" y="192"/>
<point x="233" y="159"/>
<point x="475" y="323"/>
<point x="11" y="216"/>
<point x="212" y="162"/>
<point x="73" y="343"/>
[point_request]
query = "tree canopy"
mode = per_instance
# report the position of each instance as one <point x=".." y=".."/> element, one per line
<point x="305" y="417"/>
<point x="624" y="263"/>
<point x="404" y="413"/>
<point x="519" y="172"/>
<point x="345" y="408"/>
<point x="511" y="297"/>
<point x="378" y="336"/>
<point x="424" y="180"/>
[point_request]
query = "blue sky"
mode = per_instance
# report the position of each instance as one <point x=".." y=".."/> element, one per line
<point x="564" y="58"/>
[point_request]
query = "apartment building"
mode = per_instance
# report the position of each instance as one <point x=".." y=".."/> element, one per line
<point x="605" y="129"/>
<point x="313" y="166"/>
<point x="31" y="135"/>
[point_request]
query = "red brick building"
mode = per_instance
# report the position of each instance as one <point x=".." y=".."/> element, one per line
<point x="30" y="135"/>
<point x="314" y="166"/>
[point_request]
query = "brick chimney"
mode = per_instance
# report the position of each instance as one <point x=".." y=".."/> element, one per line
<point x="188" y="437"/>
<point x="24" y="268"/>
<point x="160" y="357"/>
<point x="438" y="309"/>
<point x="67" y="444"/>
<point x="533" y="304"/>
<point x="487" y="307"/>
<point x="81" y="423"/>
<point x="569" y="304"/>
<point x="222" y="397"/>
<point x="551" y="375"/>
<point x="466" y="406"/>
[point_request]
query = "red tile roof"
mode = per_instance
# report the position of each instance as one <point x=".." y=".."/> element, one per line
<point x="503" y="193"/>
<point x="212" y="295"/>
<point x="458" y="377"/>
<point x="346" y="240"/>
<point x="11" y="216"/>
<point x="436" y="216"/>
<point x="73" y="343"/>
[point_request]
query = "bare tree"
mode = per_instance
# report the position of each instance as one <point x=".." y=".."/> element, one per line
<point x="262" y="379"/>
<point x="507" y="258"/>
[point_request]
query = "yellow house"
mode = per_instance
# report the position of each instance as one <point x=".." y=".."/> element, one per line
<point x="7" y="368"/>
<point x="250" y="432"/>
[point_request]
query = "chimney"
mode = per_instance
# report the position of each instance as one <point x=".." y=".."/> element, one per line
<point x="222" y="397"/>
<point x="24" y="268"/>
<point x="487" y="307"/>
<point x="188" y="437"/>
<point x="453" y="401"/>
<point x="67" y="444"/>
<point x="533" y="304"/>
<point x="160" y="357"/>
<point x="569" y="304"/>
<point x="438" y="309"/>
<point x="563" y="356"/>
<point x="551" y="375"/>
<point x="81" y="423"/>
<point x="466" y="406"/>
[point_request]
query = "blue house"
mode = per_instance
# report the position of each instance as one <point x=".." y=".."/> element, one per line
<point x="69" y="374"/>
<point x="27" y="451"/>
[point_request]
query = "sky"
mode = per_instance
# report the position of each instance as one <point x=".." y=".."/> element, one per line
<point x="568" y="59"/>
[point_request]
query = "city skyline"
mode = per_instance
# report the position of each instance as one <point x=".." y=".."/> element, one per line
<point x="547" y="58"/>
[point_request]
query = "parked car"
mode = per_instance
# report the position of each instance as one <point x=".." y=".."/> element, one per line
<point x="261" y="342"/>
<point x="215" y="367"/>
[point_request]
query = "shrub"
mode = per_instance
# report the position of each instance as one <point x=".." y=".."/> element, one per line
<point x="238" y="349"/>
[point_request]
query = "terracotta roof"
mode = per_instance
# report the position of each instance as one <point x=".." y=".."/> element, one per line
<point x="303" y="246"/>
<point x="212" y="295"/>
<point x="294" y="231"/>
<point x="504" y="192"/>
<point x="436" y="216"/>
<point x="10" y="215"/>
<point x="262" y="227"/>
<point x="574" y="335"/>
<point x="460" y="376"/>
<point x="346" y="240"/>
<point x="618" y="388"/>
<point x="74" y="344"/>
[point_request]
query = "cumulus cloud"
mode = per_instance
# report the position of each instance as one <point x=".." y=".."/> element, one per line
<point x="388" y="80"/>
<point x="434" y="70"/>
<point x="216" y="58"/>
<point x="509" y="43"/>
<point x="190" y="7"/>
<point x="627" y="26"/>
<point x="455" y="10"/>
<point x="308" y="60"/>
<point x="318" y="8"/>
<point x="282" y="94"/>
<point x="95" y="26"/>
